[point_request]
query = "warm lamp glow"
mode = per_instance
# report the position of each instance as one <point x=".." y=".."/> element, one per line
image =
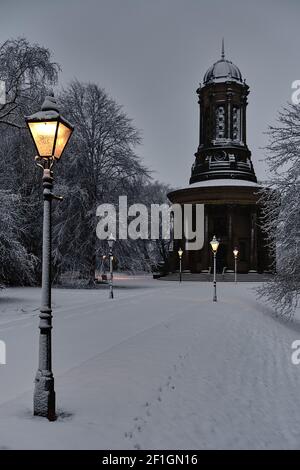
<point x="235" y="252"/>
<point x="180" y="252"/>
<point x="49" y="130"/>
<point x="43" y="134"/>
<point x="214" y="244"/>
<point x="63" y="135"/>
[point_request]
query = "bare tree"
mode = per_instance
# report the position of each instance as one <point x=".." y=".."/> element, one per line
<point x="281" y="208"/>
<point x="17" y="265"/>
<point x="100" y="164"/>
<point x="27" y="70"/>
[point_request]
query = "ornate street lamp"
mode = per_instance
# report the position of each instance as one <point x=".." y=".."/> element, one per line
<point x="214" y="246"/>
<point x="50" y="133"/>
<point x="103" y="264"/>
<point x="49" y="130"/>
<point x="235" y="254"/>
<point x="111" y="240"/>
<point x="180" y="253"/>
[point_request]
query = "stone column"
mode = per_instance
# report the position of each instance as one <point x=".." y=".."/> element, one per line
<point x="212" y="118"/>
<point x="244" y="119"/>
<point x="230" y="236"/>
<point x="241" y="130"/>
<point x="253" y="241"/>
<point x="229" y="120"/>
<point x="205" y="249"/>
<point x="188" y="257"/>
<point x="200" y="123"/>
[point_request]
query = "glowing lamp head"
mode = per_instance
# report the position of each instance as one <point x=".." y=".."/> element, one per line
<point x="235" y="252"/>
<point x="111" y="240"/>
<point x="49" y="130"/>
<point x="180" y="252"/>
<point x="214" y="244"/>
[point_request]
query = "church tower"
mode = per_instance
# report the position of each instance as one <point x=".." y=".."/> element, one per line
<point x="223" y="178"/>
<point x="222" y="150"/>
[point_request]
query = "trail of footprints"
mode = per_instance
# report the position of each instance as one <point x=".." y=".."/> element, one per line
<point x="141" y="421"/>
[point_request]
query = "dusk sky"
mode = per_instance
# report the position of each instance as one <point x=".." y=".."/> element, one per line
<point x="151" y="55"/>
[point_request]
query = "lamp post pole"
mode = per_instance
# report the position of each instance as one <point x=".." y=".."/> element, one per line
<point x="235" y="254"/>
<point x="44" y="394"/>
<point x="180" y="253"/>
<point x="214" y="246"/>
<point x="180" y="271"/>
<point x="111" y="288"/>
<point x="103" y="268"/>
<point x="111" y="240"/>
<point x="215" y="279"/>
<point x="235" y="269"/>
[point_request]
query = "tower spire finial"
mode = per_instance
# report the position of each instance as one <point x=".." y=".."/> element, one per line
<point x="223" y="50"/>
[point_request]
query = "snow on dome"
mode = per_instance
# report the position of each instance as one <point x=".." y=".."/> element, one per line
<point x="221" y="71"/>
<point x="224" y="182"/>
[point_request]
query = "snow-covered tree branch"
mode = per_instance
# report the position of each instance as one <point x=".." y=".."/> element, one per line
<point x="281" y="206"/>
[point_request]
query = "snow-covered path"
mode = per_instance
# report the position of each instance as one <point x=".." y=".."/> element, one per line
<point x="159" y="366"/>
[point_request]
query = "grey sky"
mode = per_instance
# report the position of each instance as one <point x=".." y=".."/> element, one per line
<point x="150" y="56"/>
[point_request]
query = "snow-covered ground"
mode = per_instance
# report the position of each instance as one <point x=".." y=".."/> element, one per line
<point x="160" y="366"/>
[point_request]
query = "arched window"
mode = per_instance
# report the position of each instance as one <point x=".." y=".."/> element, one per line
<point x="220" y="123"/>
<point x="236" y="123"/>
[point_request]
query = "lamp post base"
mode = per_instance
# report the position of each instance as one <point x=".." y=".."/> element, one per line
<point x="215" y="292"/>
<point x="44" y="397"/>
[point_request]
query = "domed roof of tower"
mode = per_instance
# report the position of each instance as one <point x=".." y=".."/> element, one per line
<point x="222" y="71"/>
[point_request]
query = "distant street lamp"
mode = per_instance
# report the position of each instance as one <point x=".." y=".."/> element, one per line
<point x="102" y="268"/>
<point x="235" y="253"/>
<point x="111" y="240"/>
<point x="214" y="245"/>
<point x="180" y="253"/>
<point x="103" y="261"/>
<point x="50" y="133"/>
